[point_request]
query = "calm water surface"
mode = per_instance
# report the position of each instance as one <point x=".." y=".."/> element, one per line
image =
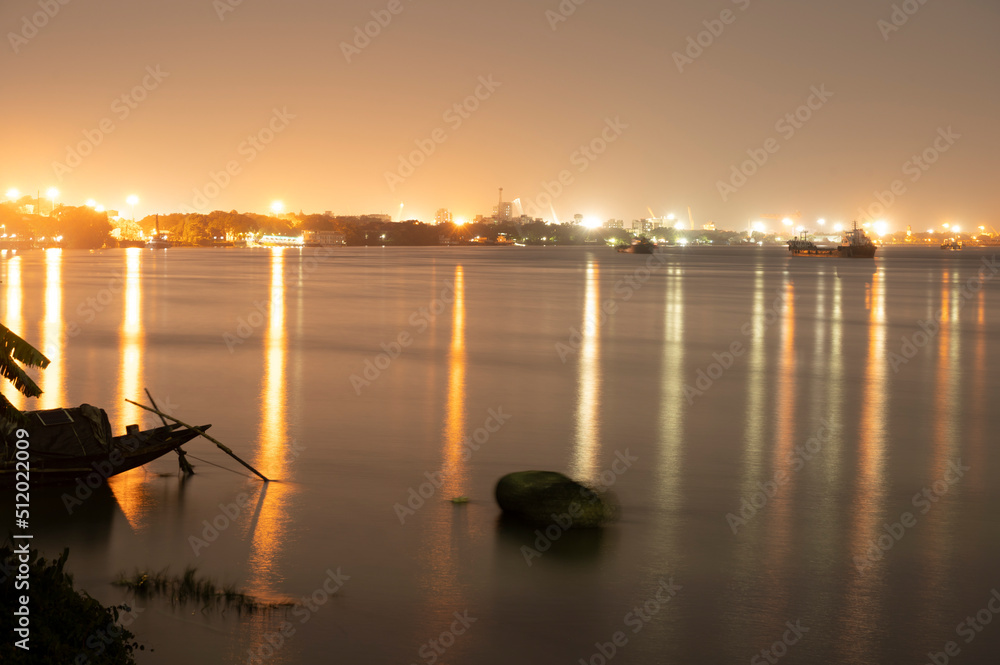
<point x="779" y="417"/>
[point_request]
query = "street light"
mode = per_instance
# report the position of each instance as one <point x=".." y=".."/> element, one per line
<point x="13" y="194"/>
<point x="277" y="207"/>
<point x="53" y="194"/>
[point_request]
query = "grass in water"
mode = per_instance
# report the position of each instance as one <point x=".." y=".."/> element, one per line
<point x="189" y="588"/>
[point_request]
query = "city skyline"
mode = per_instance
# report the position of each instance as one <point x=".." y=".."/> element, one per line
<point x="737" y="110"/>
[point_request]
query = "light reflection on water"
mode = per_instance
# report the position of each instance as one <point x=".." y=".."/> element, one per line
<point x="13" y="316"/>
<point x="53" y="334"/>
<point x="268" y="529"/>
<point x="584" y="464"/>
<point x="821" y="353"/>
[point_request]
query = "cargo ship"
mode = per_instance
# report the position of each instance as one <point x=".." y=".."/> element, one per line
<point x="855" y="245"/>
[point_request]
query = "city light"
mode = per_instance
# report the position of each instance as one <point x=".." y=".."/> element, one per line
<point x="881" y="227"/>
<point x="821" y="221"/>
<point x="671" y="217"/>
<point x="132" y="199"/>
<point x="277" y="207"/>
<point x="838" y="227"/>
<point x="460" y="221"/>
<point x="13" y="194"/>
<point x="52" y="194"/>
<point x="955" y="229"/>
<point x="787" y="221"/>
<point x="99" y="208"/>
<point x="758" y="226"/>
<point x="91" y="203"/>
<point x="591" y="222"/>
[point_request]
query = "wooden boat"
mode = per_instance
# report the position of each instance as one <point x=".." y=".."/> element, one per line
<point x="71" y="445"/>
<point x="638" y="246"/>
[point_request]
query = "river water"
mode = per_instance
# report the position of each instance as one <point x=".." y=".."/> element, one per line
<point x="803" y="449"/>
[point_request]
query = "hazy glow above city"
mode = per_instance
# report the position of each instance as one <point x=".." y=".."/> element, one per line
<point x="742" y="111"/>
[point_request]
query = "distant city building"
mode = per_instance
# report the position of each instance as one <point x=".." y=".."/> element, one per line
<point x="323" y="238"/>
<point x="442" y="216"/>
<point x="503" y="211"/>
<point x="615" y="224"/>
<point x="646" y="225"/>
<point x="381" y="217"/>
<point x="578" y="219"/>
<point x="708" y="227"/>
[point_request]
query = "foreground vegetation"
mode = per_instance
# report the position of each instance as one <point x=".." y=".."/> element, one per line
<point x="66" y="625"/>
<point x="189" y="588"/>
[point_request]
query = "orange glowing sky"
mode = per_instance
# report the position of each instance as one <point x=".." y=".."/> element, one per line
<point x="558" y="87"/>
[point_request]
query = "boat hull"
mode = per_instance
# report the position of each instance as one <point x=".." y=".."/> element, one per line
<point x="125" y="453"/>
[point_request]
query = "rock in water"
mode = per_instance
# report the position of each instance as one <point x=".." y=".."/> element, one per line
<point x="547" y="497"/>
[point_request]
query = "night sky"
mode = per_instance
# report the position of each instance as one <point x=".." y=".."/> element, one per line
<point x="334" y="113"/>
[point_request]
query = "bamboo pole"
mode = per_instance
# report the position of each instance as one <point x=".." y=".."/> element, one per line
<point x="221" y="446"/>
<point x="181" y="459"/>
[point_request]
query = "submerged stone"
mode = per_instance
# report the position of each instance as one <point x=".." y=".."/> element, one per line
<point x="548" y="497"/>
